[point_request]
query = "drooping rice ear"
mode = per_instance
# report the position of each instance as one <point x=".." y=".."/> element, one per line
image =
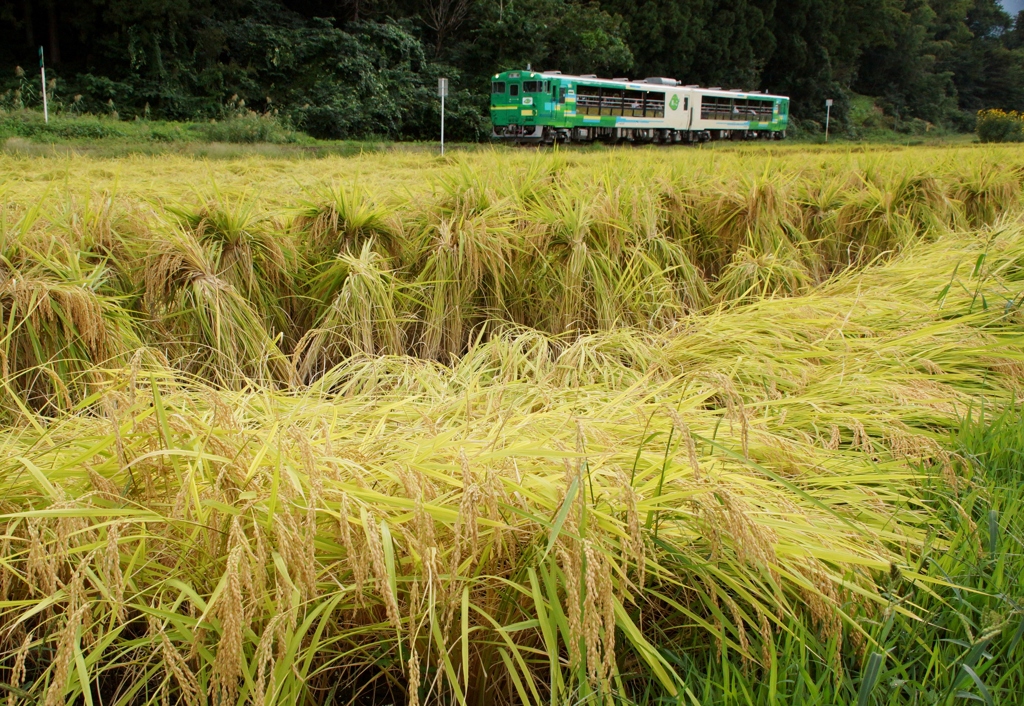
<point x="341" y="217"/>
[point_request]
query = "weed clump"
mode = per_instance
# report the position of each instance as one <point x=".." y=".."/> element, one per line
<point x="247" y="128"/>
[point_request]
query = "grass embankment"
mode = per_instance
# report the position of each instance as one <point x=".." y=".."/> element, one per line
<point x="542" y="430"/>
<point x="244" y="134"/>
<point x="26" y="133"/>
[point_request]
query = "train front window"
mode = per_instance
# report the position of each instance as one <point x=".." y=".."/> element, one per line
<point x="498" y="87"/>
<point x="532" y="87"/>
<point x="513" y="90"/>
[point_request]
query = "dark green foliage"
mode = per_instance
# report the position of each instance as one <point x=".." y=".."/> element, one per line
<point x="334" y="83"/>
<point x="353" y="69"/>
<point x="708" y="41"/>
<point x="561" y="35"/>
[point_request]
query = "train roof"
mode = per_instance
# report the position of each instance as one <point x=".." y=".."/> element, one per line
<point x="642" y="84"/>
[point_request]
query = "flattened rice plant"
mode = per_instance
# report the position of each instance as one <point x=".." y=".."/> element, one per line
<point x="490" y="442"/>
<point x="208" y="325"/>
<point x="537" y="522"/>
<point x="57" y="322"/>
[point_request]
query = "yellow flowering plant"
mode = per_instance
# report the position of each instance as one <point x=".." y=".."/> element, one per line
<point x="995" y="125"/>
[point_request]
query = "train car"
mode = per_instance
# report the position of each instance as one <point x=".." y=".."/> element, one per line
<point x="548" y="106"/>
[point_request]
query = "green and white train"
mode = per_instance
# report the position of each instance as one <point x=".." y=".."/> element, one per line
<point x="547" y="107"/>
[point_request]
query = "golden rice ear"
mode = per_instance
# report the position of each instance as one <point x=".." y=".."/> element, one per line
<point x="60" y="327"/>
<point x="361" y="314"/>
<point x="985" y="191"/>
<point x="752" y="277"/>
<point x="341" y="217"/>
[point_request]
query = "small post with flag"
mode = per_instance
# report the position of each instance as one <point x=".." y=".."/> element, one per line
<point x="442" y="91"/>
<point x="42" y="74"/>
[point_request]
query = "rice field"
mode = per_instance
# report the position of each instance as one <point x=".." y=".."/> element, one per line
<point x="647" y="426"/>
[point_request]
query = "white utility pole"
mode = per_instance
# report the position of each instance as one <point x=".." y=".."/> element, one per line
<point x="42" y="74"/>
<point x="828" y="114"/>
<point x="442" y="90"/>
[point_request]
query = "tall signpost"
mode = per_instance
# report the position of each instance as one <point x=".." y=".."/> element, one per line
<point x="442" y="90"/>
<point x="42" y="74"/>
<point x="828" y="114"/>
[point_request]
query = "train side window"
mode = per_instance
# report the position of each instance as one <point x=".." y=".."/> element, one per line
<point x="498" y="87"/>
<point x="588" y="100"/>
<point x="716" y="108"/>
<point x="562" y="94"/>
<point x="686" y="103"/>
<point x="513" y="90"/>
<point x="612" y="101"/>
<point x="633" y="103"/>
<point x="654" y="105"/>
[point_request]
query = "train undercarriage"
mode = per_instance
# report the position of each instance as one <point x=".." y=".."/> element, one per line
<point x="541" y="134"/>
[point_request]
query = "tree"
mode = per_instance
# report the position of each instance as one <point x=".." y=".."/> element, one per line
<point x="563" y="35"/>
<point x="350" y="67"/>
<point x="986" y="71"/>
<point x="444" y="16"/>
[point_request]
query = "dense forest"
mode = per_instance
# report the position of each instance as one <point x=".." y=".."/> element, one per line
<point x="353" y="68"/>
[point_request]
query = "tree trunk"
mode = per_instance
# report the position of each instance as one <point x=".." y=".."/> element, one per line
<point x="51" y="12"/>
<point x="30" y="35"/>
<point x="445" y="16"/>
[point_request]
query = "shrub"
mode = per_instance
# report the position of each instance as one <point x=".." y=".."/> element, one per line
<point x="996" y="125"/>
<point x="167" y="132"/>
<point x="246" y="129"/>
<point x="805" y="128"/>
<point x="27" y="123"/>
<point x="914" y="126"/>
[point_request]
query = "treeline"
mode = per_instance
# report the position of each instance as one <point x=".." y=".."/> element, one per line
<point x="354" y="68"/>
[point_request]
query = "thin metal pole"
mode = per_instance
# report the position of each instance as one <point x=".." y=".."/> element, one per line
<point x="828" y="114"/>
<point x="442" y="125"/>
<point x="42" y="74"/>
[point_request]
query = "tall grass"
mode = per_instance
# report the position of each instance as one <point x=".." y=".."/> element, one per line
<point x="541" y="435"/>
